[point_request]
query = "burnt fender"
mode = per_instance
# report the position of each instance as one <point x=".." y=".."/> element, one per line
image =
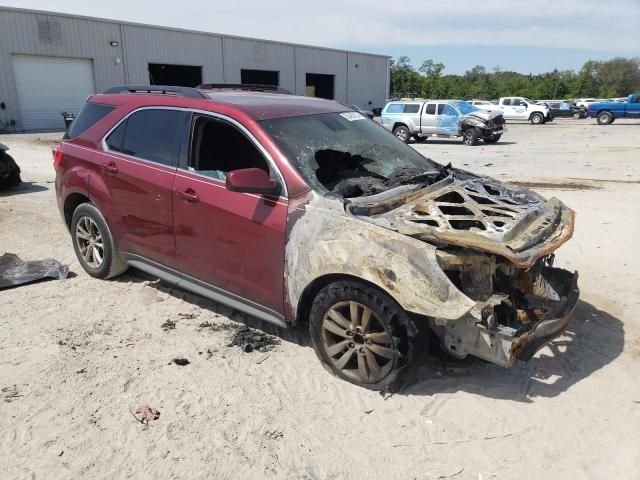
<point x="325" y="240"/>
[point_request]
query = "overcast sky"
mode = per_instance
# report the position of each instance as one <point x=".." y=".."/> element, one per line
<point x="526" y="36"/>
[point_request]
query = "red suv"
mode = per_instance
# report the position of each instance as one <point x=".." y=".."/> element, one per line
<point x="303" y="211"/>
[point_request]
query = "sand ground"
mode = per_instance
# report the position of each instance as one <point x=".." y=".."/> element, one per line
<point x="76" y="355"/>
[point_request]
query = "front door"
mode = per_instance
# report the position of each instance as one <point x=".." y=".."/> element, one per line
<point x="229" y="240"/>
<point x="139" y="166"/>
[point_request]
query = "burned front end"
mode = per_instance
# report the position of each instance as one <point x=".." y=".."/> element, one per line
<point x="495" y="243"/>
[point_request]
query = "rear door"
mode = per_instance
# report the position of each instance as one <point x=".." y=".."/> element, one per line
<point x="508" y="111"/>
<point x="429" y="118"/>
<point x="139" y="165"/>
<point x="229" y="240"/>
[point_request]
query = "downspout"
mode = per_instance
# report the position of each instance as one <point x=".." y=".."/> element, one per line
<point x="125" y="63"/>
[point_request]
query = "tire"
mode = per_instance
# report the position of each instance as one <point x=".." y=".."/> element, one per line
<point x="577" y="116"/>
<point x="91" y="222"/>
<point x="536" y="119"/>
<point x="402" y="133"/>
<point x="342" y="340"/>
<point x="9" y="172"/>
<point x="605" y="118"/>
<point x="470" y="137"/>
<point x="492" y="138"/>
<point x="419" y="139"/>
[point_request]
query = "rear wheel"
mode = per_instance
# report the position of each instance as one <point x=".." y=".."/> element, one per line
<point x="537" y="119"/>
<point x="470" y="137"/>
<point x="419" y="139"/>
<point x="362" y="335"/>
<point x="605" y="118"/>
<point x="402" y="133"/>
<point x="93" y="243"/>
<point x="9" y="171"/>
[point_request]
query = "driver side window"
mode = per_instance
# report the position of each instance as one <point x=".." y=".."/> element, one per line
<point x="217" y="147"/>
<point x="519" y="103"/>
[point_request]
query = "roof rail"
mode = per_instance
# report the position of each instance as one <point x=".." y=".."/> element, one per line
<point x="161" y="89"/>
<point x="253" y="87"/>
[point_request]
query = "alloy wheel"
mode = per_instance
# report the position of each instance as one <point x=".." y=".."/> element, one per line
<point x="90" y="242"/>
<point x="357" y="342"/>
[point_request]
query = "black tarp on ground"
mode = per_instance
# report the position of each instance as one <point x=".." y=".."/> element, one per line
<point x="15" y="271"/>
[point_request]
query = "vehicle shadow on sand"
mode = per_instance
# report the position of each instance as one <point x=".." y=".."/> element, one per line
<point x="594" y="339"/>
<point x="24" y="187"/>
<point x="454" y="141"/>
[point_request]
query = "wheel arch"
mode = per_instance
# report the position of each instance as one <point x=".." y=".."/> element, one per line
<point x="311" y="292"/>
<point x="72" y="202"/>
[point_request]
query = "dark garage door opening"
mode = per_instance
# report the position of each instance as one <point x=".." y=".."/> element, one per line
<point x="179" y="75"/>
<point x="320" y="85"/>
<point x="259" y="77"/>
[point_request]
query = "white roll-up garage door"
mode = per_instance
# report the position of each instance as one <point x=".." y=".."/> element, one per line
<point x="48" y="86"/>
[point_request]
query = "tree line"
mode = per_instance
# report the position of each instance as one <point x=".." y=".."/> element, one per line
<point x="617" y="77"/>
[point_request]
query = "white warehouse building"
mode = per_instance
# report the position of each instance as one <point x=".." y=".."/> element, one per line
<point x="50" y="62"/>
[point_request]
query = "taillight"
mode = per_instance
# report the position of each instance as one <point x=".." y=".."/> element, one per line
<point x="57" y="155"/>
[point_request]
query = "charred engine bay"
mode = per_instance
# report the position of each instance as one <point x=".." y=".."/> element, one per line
<point x="347" y="175"/>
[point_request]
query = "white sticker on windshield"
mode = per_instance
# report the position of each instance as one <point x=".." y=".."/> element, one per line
<point x="352" y="116"/>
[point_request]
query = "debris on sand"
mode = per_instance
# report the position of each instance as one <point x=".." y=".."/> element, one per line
<point x="181" y="361"/>
<point x="9" y="394"/>
<point x="188" y="316"/>
<point x="168" y="325"/>
<point x="15" y="271"/>
<point x="216" y="326"/>
<point x="249" y="340"/>
<point x="147" y="414"/>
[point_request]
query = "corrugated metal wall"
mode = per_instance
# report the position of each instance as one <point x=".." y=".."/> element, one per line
<point x="256" y="55"/>
<point x="221" y="57"/>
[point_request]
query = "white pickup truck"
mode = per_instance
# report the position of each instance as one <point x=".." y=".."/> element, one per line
<point x="521" y="108"/>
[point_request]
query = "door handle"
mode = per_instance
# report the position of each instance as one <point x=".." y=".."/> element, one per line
<point x="110" y="167"/>
<point x="189" y="195"/>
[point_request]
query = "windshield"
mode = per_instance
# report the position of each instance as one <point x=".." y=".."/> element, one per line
<point x="465" y="107"/>
<point x="347" y="154"/>
<point x="528" y="100"/>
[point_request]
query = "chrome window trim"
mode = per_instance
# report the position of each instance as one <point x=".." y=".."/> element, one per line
<point x="235" y="123"/>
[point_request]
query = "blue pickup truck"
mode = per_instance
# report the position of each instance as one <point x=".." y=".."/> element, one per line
<point x="607" y="112"/>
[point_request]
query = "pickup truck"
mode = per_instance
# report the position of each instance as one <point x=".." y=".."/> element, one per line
<point x="607" y="112"/>
<point x="420" y="119"/>
<point x="521" y="108"/>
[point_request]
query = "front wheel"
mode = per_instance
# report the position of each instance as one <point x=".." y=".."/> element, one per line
<point x="93" y="243"/>
<point x="470" y="137"/>
<point x="402" y="133"/>
<point x="492" y="138"/>
<point x="577" y="115"/>
<point x="537" y="119"/>
<point x="362" y="335"/>
<point x="605" y="118"/>
<point x="9" y="172"/>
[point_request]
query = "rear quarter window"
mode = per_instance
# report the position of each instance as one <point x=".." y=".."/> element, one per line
<point x="395" y="108"/>
<point x="90" y="114"/>
<point x="411" y="108"/>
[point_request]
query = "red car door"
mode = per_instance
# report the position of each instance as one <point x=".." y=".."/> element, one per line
<point x="139" y="164"/>
<point x="232" y="241"/>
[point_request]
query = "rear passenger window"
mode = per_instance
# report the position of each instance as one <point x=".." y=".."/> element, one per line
<point x="431" y="109"/>
<point x="154" y="135"/>
<point x="90" y="114"/>
<point x="411" y="108"/>
<point x="506" y="101"/>
<point x="440" y="107"/>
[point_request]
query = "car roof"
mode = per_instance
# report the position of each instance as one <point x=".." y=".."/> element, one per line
<point x="257" y="105"/>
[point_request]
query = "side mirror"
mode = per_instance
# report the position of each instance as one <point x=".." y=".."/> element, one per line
<point x="251" y="180"/>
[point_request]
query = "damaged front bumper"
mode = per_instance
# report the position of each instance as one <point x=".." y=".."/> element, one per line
<point x="508" y="327"/>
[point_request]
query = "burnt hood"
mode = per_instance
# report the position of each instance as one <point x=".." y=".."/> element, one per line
<point x="475" y="212"/>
